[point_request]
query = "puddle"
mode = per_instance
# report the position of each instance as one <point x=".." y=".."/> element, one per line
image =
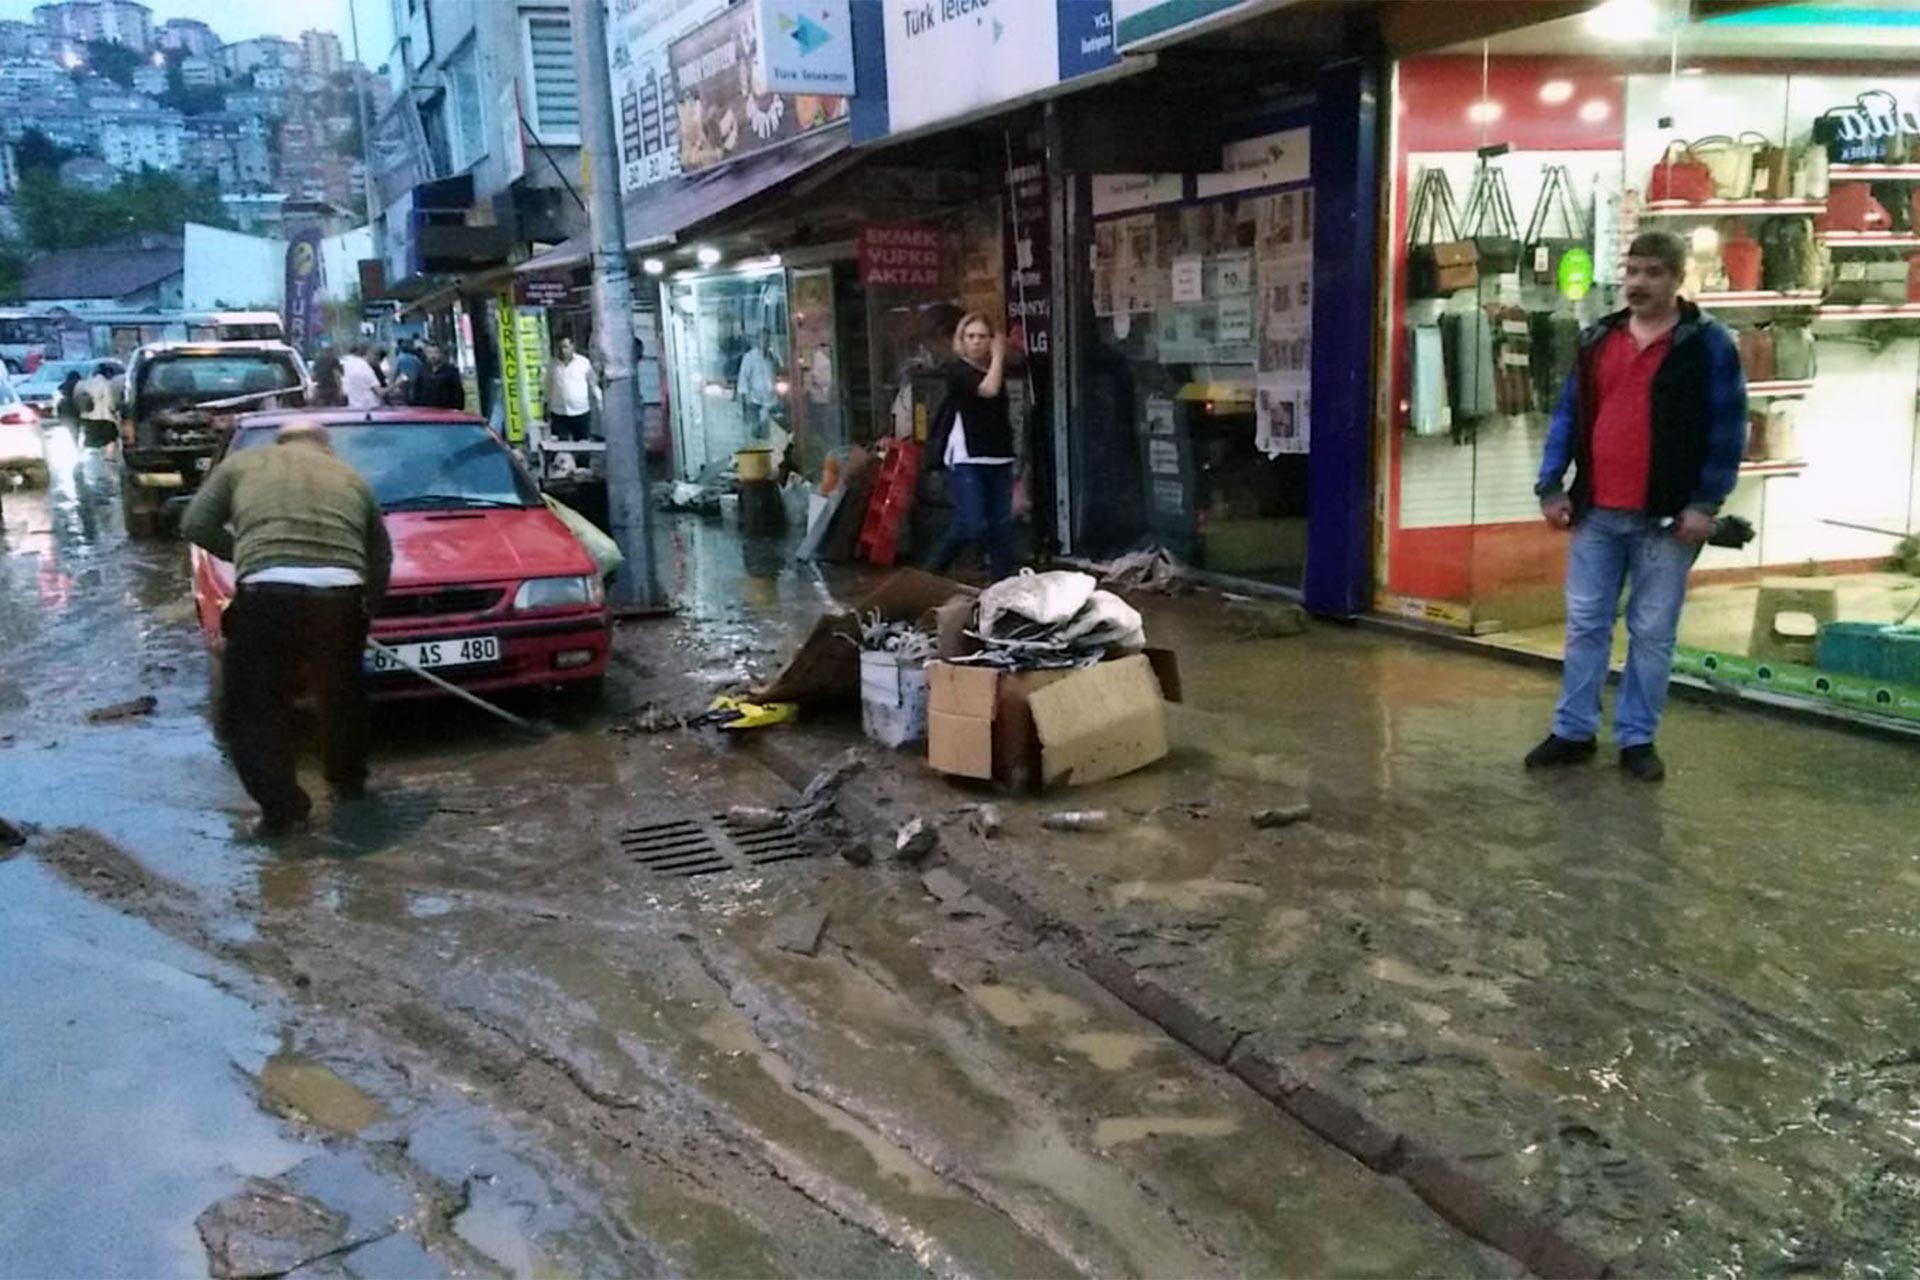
<point x="426" y="906"/>
<point x="1023" y="1006"/>
<point x="1183" y="895"/>
<point x="1115" y="1130"/>
<point x="498" y="1228"/>
<point x="317" y="1093"/>
<point x="1109" y="1050"/>
<point x="731" y="1034"/>
<point x="1402" y="974"/>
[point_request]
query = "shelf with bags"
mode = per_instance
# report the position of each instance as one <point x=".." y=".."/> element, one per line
<point x="1806" y="298"/>
<point x="1869" y="310"/>
<point x="1723" y="208"/>
<point x="1780" y="388"/>
<point x="1774" y="467"/>
<point x="1874" y="173"/>
<point x="1867" y="240"/>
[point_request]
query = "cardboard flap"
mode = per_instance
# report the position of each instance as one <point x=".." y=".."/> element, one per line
<point x="826" y="667"/>
<point x="1100" y="722"/>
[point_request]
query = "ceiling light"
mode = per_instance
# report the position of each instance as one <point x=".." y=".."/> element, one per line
<point x="1595" y="110"/>
<point x="1485" y="111"/>
<point x="653" y="266"/>
<point x="1624" y="20"/>
<point x="707" y="254"/>
<point x="1555" y="92"/>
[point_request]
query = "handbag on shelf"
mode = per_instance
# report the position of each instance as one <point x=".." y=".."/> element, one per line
<point x="1756" y="353"/>
<point x="1848" y="134"/>
<point x="1793" y="352"/>
<point x="1489" y="221"/>
<point x="1556" y="344"/>
<point x="1758" y="445"/>
<point x="1545" y="245"/>
<point x="1788" y="254"/>
<point x="1729" y="162"/>
<point x="1513" y="362"/>
<point x="1428" y="382"/>
<point x="1851" y="206"/>
<point x="1439" y="262"/>
<point x="1772" y="170"/>
<point x="1466" y="337"/>
<point x="1810" y="173"/>
<point x="1898" y="200"/>
<point x="1913" y="279"/>
<point x="1680" y="175"/>
<point x="1742" y="258"/>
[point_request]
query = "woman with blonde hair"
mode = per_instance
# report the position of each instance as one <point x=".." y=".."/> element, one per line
<point x="977" y="447"/>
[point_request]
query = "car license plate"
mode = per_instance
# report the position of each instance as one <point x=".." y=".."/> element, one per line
<point x="464" y="652"/>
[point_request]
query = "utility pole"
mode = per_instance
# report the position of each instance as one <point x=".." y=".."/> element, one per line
<point x="634" y="587"/>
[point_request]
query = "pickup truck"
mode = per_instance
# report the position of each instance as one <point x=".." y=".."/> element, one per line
<point x="181" y="402"/>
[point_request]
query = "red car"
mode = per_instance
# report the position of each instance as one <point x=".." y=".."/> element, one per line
<point x="489" y="589"/>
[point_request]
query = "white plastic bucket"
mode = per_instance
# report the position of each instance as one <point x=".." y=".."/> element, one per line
<point x="893" y="699"/>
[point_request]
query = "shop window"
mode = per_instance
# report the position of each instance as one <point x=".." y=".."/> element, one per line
<point x="552" y="101"/>
<point x="731" y="368"/>
<point x="1778" y="144"/>
<point x="467" y="123"/>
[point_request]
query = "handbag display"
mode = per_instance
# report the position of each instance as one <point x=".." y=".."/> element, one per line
<point x="1772" y="171"/>
<point x="1810" y="173"/>
<point x="1730" y="163"/>
<point x="1556" y="344"/>
<point x="1913" y="279"/>
<point x="1756" y="353"/>
<point x="1546" y="245"/>
<point x="1788" y="254"/>
<point x="1428" y="382"/>
<point x="1466" y="337"/>
<point x="1793" y="358"/>
<point x="1513" y="362"/>
<point x="1680" y="175"/>
<point x="1439" y="262"/>
<point x="1489" y="221"/>
<point x="1741" y="258"/>
<point x="1758" y="445"/>
<point x="1851" y="206"/>
<point x="1871" y="136"/>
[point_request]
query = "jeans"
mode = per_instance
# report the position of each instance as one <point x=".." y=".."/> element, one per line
<point x="982" y="511"/>
<point x="1611" y="549"/>
<point x="283" y="641"/>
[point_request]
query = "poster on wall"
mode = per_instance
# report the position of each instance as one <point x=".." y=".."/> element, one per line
<point x="1128" y="277"/>
<point x="900" y="255"/>
<point x="639" y="35"/>
<point x="723" y="105"/>
<point x="1029" y="260"/>
<point x="1284" y="270"/>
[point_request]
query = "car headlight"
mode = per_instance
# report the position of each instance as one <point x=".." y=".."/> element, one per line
<point x="557" y="593"/>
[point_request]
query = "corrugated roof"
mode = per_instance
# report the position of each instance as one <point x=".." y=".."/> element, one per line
<point x="101" y="273"/>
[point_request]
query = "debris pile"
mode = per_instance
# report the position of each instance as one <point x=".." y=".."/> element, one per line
<point x="1153" y="569"/>
<point x="1051" y="621"/>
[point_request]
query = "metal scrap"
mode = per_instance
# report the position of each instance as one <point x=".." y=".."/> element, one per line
<point x="1078" y="820"/>
<point x="915" y="841"/>
<point x="128" y="710"/>
<point x="1281" y="816"/>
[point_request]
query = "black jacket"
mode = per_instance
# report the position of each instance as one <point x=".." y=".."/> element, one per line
<point x="439" y="388"/>
<point x="1698" y="417"/>
<point x="988" y="425"/>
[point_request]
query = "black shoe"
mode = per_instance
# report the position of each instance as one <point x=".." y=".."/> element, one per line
<point x="1642" y="763"/>
<point x="1557" y="750"/>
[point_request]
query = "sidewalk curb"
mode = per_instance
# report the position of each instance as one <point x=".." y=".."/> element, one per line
<point x="1450" y="1189"/>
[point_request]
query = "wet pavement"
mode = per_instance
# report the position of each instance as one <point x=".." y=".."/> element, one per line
<point x="458" y="1030"/>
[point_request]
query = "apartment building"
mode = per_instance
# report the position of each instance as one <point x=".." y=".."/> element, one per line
<point x="132" y="140"/>
<point x="244" y="57"/>
<point x="320" y="54"/>
<point x="117" y="21"/>
<point x="188" y="35"/>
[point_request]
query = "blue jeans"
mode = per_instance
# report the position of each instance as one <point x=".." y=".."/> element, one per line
<point x="982" y="512"/>
<point x="1612" y="549"/>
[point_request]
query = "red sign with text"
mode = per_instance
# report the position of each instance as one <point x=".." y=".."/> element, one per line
<point x="904" y="253"/>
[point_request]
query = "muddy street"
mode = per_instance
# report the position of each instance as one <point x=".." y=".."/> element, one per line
<point x="463" y="1028"/>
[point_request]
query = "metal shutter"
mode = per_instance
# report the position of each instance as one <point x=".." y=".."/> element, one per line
<point x="556" y="88"/>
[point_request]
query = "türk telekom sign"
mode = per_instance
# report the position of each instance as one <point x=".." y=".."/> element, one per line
<point x="904" y="254"/>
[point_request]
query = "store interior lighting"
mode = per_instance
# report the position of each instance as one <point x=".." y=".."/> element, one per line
<point x="1624" y="21"/>
<point x="1555" y="92"/>
<point x="1595" y="111"/>
<point x="708" y="255"/>
<point x="653" y="266"/>
<point x="1485" y="111"/>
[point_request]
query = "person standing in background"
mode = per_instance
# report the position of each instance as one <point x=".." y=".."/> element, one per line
<point x="358" y="379"/>
<point x="755" y="389"/>
<point x="977" y="448"/>
<point x="439" y="385"/>
<point x="572" y="393"/>
<point x="100" y="406"/>
<point x="327" y="392"/>
<point x="406" y="371"/>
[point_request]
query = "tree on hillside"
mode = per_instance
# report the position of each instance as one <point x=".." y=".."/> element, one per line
<point x="36" y="151"/>
<point x="53" y="217"/>
<point x="114" y="61"/>
<point x="13" y="271"/>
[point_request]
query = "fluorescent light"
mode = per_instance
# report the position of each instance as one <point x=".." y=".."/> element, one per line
<point x="653" y="266"/>
<point x="707" y="254"/>
<point x="1485" y="111"/>
<point x="1595" y="110"/>
<point x="1555" y="92"/>
<point x="1624" y="20"/>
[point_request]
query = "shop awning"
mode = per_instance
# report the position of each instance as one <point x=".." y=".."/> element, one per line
<point x="561" y="257"/>
<point x="661" y="215"/>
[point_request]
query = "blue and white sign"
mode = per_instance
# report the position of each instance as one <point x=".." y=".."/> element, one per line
<point x="806" y="46"/>
<point x="944" y="60"/>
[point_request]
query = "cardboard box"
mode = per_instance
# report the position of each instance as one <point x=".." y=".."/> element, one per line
<point x="826" y="666"/>
<point x="1039" y="729"/>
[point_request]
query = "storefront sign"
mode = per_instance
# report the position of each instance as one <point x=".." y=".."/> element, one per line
<point x="951" y="58"/>
<point x="506" y="333"/>
<point x="1120" y="192"/>
<point x="541" y="291"/>
<point x="1271" y="160"/>
<point x="1138" y="21"/>
<point x="639" y="35"/>
<point x="303" y="290"/>
<point x="1029" y="260"/>
<point x="725" y="111"/>
<point x="904" y="254"/>
<point x="1189" y="278"/>
<point x="532" y="340"/>
<point x="806" y="46"/>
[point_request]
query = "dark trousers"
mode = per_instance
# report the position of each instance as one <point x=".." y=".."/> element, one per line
<point x="570" y="426"/>
<point x="982" y="512"/>
<point x="284" y="643"/>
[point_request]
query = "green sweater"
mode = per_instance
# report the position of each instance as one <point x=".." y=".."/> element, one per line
<point x="291" y="505"/>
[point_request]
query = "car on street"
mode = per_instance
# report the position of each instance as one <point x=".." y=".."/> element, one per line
<point x="41" y="388"/>
<point x="23" y="450"/>
<point x="182" y="401"/>
<point x="489" y="589"/>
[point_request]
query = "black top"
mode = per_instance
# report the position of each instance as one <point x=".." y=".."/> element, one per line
<point x="440" y="388"/>
<point x="989" y="432"/>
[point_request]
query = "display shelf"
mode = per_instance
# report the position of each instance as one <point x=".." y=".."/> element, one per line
<point x="1722" y="208"/>
<point x="1759" y="298"/>
<point x="1869" y="310"/>
<point x="1873" y="173"/>
<point x="1867" y="240"/>
<point x="1774" y="467"/>
<point x="1780" y="387"/>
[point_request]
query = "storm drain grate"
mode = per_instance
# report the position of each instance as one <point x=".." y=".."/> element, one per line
<point x="684" y="847"/>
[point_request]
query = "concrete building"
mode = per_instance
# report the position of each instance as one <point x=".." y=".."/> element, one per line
<point x="25" y="40"/>
<point x="117" y="21"/>
<point x="132" y="140"/>
<point x="258" y="103"/>
<point x="9" y="170"/>
<point x="198" y="71"/>
<point x="150" y="80"/>
<point x="320" y="54"/>
<point x="88" y="173"/>
<point x="273" y="79"/>
<point x="28" y="79"/>
<point x="65" y="126"/>
<point x="188" y="35"/>
<point x="244" y="57"/>
<point x="230" y="149"/>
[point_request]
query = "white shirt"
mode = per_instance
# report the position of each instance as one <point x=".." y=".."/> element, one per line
<point x="756" y="378"/>
<point x="571" y="390"/>
<point x="105" y="394"/>
<point x="314" y="575"/>
<point x="360" y="382"/>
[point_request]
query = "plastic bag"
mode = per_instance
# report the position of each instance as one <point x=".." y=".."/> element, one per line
<point x="605" y="552"/>
<point x="1050" y="599"/>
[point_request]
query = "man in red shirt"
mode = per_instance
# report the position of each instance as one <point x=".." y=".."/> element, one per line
<point x="1653" y="419"/>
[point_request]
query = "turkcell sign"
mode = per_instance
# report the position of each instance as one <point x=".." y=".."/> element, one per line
<point x="806" y="46"/>
<point x="946" y="60"/>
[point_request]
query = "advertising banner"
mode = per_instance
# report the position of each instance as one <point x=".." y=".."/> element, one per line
<point x="639" y="35"/>
<point x="1138" y="21"/>
<point x="725" y="110"/>
<point x="806" y="46"/>
<point x="512" y="378"/>
<point x="303" y="290"/>
<point x="1029" y="258"/>
<point x="903" y="254"/>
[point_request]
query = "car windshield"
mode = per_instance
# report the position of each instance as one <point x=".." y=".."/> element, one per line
<point x="420" y="466"/>
<point x="194" y="379"/>
<point x="52" y="373"/>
